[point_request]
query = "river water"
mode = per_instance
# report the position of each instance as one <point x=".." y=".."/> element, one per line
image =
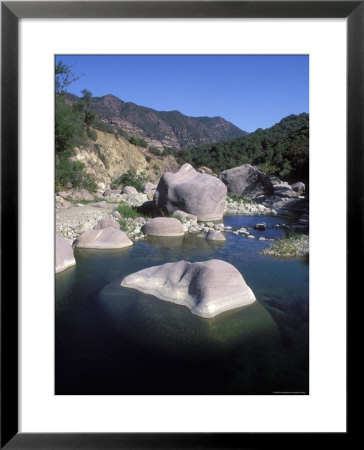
<point x="112" y="340"/>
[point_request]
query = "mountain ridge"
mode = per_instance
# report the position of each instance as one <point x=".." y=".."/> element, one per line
<point x="161" y="129"/>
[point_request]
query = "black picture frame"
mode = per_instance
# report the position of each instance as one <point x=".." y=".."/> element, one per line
<point x="11" y="12"/>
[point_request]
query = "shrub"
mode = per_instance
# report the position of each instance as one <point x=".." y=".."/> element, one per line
<point x="130" y="178"/>
<point x="91" y="134"/>
<point x="127" y="211"/>
<point x="130" y="212"/>
<point x="138" y="141"/>
<point x="155" y="151"/>
<point x="72" y="171"/>
<point x="103" y="126"/>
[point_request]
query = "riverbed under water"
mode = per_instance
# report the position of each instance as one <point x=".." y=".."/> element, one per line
<point x="113" y="340"/>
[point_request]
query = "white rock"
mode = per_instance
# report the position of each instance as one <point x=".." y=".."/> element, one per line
<point x="64" y="254"/>
<point x="206" y="288"/>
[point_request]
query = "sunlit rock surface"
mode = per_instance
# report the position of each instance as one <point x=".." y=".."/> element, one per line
<point x="106" y="223"/>
<point x="207" y="288"/>
<point x="246" y="181"/>
<point x="64" y="254"/>
<point x="195" y="193"/>
<point x="163" y="226"/>
<point x="104" y="238"/>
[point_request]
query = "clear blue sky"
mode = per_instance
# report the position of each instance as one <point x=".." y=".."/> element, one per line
<point x="250" y="91"/>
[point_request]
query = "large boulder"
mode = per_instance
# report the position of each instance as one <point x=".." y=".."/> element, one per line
<point x="206" y="288"/>
<point x="103" y="239"/>
<point x="246" y="181"/>
<point x="64" y="254"/>
<point x="284" y="190"/>
<point x="299" y="187"/>
<point x="105" y="223"/>
<point x="195" y="193"/>
<point x="163" y="226"/>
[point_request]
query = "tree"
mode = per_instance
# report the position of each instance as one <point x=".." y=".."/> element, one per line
<point x="85" y="108"/>
<point x="69" y="124"/>
<point x="63" y="77"/>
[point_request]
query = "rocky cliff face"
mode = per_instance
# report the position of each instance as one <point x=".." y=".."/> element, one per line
<point x="161" y="128"/>
<point x="110" y="156"/>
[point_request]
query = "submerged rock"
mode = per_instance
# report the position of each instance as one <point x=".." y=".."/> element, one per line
<point x="214" y="235"/>
<point x="206" y="288"/>
<point x="163" y="226"/>
<point x="64" y="254"/>
<point x="103" y="239"/>
<point x="195" y="193"/>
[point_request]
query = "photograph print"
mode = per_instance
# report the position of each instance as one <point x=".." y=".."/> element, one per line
<point x="181" y="224"/>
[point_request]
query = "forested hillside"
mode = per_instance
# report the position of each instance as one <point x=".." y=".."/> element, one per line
<point x="281" y="150"/>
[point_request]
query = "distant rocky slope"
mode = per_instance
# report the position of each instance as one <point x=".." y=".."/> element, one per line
<point x="110" y="155"/>
<point x="161" y="129"/>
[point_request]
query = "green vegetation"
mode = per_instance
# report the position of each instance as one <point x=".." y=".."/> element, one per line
<point x="281" y="150"/>
<point x="155" y="151"/>
<point x="127" y="211"/>
<point x="290" y="245"/>
<point x="138" y="141"/>
<point x="130" y="178"/>
<point x="72" y="124"/>
<point x="103" y="126"/>
<point x="72" y="171"/>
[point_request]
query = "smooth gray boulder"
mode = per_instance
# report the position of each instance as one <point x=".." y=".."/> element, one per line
<point x="105" y="223"/>
<point x="207" y="288"/>
<point x="103" y="239"/>
<point x="299" y="187"/>
<point x="284" y="190"/>
<point x="163" y="226"/>
<point x="246" y="181"/>
<point x="64" y="254"/>
<point x="130" y="190"/>
<point x="195" y="193"/>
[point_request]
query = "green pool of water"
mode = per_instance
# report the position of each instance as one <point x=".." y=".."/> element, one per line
<point x="113" y="340"/>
